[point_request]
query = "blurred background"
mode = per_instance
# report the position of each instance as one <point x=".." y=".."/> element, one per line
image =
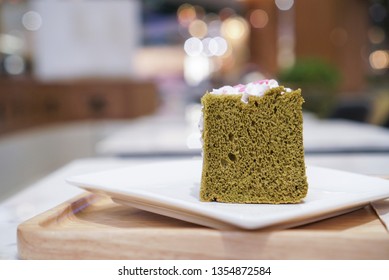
<point x="74" y="72"/>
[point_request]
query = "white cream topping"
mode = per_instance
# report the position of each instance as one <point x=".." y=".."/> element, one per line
<point x="257" y="88"/>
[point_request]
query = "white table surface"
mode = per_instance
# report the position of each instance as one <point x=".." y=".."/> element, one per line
<point x="164" y="136"/>
<point x="52" y="190"/>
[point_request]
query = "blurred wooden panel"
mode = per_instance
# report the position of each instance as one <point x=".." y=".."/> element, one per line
<point x="336" y="31"/>
<point x="263" y="41"/>
<point x="26" y="103"/>
<point x="333" y="30"/>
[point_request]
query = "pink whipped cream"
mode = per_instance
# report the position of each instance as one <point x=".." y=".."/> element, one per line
<point x="257" y="88"/>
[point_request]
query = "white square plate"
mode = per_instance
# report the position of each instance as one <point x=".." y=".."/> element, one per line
<point x="172" y="188"/>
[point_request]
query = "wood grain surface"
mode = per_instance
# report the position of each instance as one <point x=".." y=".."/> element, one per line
<point x="94" y="227"/>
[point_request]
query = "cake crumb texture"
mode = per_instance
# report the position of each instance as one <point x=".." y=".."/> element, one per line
<point x="253" y="152"/>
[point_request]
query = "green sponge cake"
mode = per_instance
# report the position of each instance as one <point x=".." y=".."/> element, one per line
<point x="253" y="144"/>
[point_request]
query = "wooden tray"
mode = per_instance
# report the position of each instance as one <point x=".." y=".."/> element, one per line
<point x="94" y="227"/>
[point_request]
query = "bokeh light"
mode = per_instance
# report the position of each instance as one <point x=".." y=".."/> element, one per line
<point x="14" y="64"/>
<point x="196" y="69"/>
<point x="379" y="59"/>
<point x="259" y="18"/>
<point x="200" y="12"/>
<point x="32" y="21"/>
<point x="376" y="35"/>
<point x="212" y="40"/>
<point x="198" y="28"/>
<point x="186" y="13"/>
<point x="206" y="50"/>
<point x="11" y="44"/>
<point x="214" y="27"/>
<point x="193" y="46"/>
<point x="234" y="28"/>
<point x="226" y="13"/>
<point x="218" y="46"/>
<point x="284" y="5"/>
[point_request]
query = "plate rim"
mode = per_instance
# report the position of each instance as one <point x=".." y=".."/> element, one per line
<point x="246" y="222"/>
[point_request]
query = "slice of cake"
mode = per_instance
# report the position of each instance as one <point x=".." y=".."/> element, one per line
<point x="253" y="144"/>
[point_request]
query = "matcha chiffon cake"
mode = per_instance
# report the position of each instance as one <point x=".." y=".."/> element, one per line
<point x="253" y="144"/>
